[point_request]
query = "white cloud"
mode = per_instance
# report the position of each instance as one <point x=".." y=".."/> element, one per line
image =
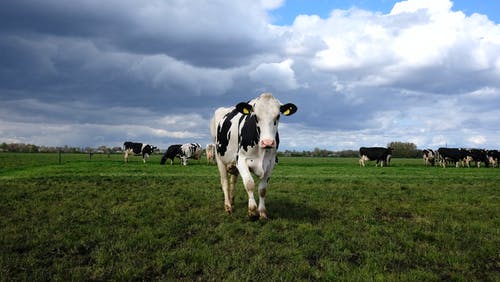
<point x="281" y="76"/>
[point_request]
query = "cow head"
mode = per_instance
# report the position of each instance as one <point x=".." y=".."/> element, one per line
<point x="266" y="111"/>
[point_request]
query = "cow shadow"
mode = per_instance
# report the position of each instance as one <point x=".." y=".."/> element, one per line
<point x="282" y="208"/>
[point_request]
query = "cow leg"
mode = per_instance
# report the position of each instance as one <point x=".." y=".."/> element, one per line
<point x="144" y="157"/>
<point x="262" y="196"/>
<point x="125" y="157"/>
<point x="223" y="171"/>
<point x="232" y="183"/>
<point x="249" y="184"/>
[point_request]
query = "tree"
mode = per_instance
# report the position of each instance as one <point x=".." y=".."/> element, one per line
<point x="403" y="149"/>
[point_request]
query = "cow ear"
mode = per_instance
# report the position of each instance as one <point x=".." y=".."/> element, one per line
<point x="288" y="109"/>
<point x="244" y="108"/>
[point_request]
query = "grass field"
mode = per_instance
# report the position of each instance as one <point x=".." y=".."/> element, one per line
<point x="329" y="219"/>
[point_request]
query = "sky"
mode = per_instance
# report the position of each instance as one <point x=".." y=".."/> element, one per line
<point x="362" y="73"/>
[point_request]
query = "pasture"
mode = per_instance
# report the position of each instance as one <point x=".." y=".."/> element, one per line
<point x="329" y="219"/>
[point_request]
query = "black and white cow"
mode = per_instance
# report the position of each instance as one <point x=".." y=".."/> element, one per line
<point x="429" y="157"/>
<point x="182" y="151"/>
<point x="379" y="154"/>
<point x="190" y="151"/>
<point x="172" y="152"/>
<point x="478" y="156"/>
<point x="454" y="155"/>
<point x="493" y="157"/>
<point x="246" y="139"/>
<point x="137" y="149"/>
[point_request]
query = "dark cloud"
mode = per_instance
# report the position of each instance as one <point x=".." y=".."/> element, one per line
<point x="98" y="72"/>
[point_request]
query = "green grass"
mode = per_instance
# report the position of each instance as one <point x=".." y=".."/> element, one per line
<point x="329" y="219"/>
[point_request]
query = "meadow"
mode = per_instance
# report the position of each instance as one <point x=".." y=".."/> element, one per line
<point x="329" y="219"/>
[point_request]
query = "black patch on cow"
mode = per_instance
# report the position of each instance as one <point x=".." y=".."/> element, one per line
<point x="223" y="132"/>
<point x="136" y="147"/>
<point x="250" y="132"/>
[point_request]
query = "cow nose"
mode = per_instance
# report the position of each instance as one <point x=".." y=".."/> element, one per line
<point x="268" y="143"/>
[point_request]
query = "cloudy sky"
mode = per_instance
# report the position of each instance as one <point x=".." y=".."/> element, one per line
<point x="362" y="73"/>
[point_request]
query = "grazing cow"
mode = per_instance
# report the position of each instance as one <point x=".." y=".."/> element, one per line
<point x="493" y="157"/>
<point x="453" y="155"/>
<point x="138" y="149"/>
<point x="246" y="140"/>
<point x="183" y="151"/>
<point x="429" y="157"/>
<point x="172" y="152"/>
<point x="379" y="154"/>
<point x="210" y="151"/>
<point x="190" y="151"/>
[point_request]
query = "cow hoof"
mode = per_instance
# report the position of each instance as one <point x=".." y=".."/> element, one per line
<point x="252" y="213"/>
<point x="228" y="209"/>
<point x="263" y="216"/>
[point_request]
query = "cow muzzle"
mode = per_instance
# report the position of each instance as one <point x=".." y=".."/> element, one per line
<point x="268" y="143"/>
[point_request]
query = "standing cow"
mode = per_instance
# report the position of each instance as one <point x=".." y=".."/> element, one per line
<point x="138" y="149"/>
<point x="210" y="151"/>
<point x="378" y="154"/>
<point x="493" y="157"/>
<point x="429" y="157"/>
<point x="453" y="155"/>
<point x="478" y="156"/>
<point x="246" y="140"/>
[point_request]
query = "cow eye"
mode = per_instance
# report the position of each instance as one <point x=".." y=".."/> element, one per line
<point x="276" y="119"/>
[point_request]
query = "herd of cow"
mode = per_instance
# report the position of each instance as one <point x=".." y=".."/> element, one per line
<point x="181" y="151"/>
<point x="443" y="156"/>
<point x="461" y="157"/>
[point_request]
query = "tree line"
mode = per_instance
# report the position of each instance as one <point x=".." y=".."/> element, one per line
<point x="400" y="150"/>
<point x="31" y="148"/>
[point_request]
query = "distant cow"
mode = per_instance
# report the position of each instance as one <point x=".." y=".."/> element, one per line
<point x="190" y="151"/>
<point x="493" y="157"/>
<point x="429" y="157"/>
<point x="478" y="156"/>
<point x="210" y="151"/>
<point x="379" y="154"/>
<point x="246" y="139"/>
<point x="453" y="155"/>
<point x="137" y="149"/>
<point x="172" y="152"/>
<point x="182" y="151"/>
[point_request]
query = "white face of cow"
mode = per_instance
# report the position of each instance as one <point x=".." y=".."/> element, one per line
<point x="266" y="110"/>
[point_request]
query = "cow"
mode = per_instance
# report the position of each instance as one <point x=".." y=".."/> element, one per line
<point x="210" y="151"/>
<point x="429" y="157"/>
<point x="476" y="155"/>
<point x="137" y="149"/>
<point x="379" y="154"/>
<point x="246" y="139"/>
<point x="493" y="157"/>
<point x="172" y="152"/>
<point x="453" y="155"/>
<point x="190" y="151"/>
<point x="182" y="151"/>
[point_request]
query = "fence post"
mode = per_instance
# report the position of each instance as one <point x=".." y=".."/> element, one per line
<point x="59" y="155"/>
